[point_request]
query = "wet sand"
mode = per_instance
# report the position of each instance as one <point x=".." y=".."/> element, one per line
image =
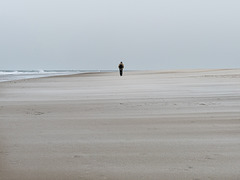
<point x="182" y="124"/>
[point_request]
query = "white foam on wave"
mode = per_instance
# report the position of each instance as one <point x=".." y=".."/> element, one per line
<point x="28" y="72"/>
<point x="8" y="72"/>
<point x="41" y="71"/>
<point x="11" y="75"/>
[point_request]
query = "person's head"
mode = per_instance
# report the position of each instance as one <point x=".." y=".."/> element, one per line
<point x="121" y="62"/>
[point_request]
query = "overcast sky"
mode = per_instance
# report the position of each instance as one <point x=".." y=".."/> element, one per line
<point x="98" y="34"/>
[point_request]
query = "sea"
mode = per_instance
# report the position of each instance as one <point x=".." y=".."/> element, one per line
<point x="12" y="75"/>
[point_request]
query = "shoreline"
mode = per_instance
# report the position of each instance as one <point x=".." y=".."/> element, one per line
<point x="140" y="71"/>
<point x="30" y="74"/>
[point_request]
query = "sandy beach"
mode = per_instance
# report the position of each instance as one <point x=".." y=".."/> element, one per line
<point x="182" y="124"/>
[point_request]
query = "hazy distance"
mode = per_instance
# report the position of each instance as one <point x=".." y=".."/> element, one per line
<point x="98" y="34"/>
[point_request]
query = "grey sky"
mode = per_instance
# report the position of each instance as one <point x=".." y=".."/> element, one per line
<point x="98" y="34"/>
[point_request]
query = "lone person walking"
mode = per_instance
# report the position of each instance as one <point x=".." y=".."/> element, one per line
<point x="121" y="66"/>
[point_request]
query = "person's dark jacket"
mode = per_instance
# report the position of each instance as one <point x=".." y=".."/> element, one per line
<point x="121" y="66"/>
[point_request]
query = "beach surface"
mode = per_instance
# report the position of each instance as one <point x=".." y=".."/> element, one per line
<point x="182" y="124"/>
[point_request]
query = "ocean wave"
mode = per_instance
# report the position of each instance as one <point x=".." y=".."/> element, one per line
<point x="20" y="72"/>
<point x="11" y="75"/>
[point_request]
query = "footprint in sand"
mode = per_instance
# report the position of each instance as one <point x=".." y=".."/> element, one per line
<point x="38" y="113"/>
<point x="32" y="112"/>
<point x="76" y="156"/>
<point x="202" y="104"/>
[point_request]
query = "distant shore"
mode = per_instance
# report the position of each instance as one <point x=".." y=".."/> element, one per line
<point x="13" y="75"/>
<point x="181" y="124"/>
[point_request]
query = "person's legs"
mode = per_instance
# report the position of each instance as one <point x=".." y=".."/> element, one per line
<point x="121" y="71"/>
